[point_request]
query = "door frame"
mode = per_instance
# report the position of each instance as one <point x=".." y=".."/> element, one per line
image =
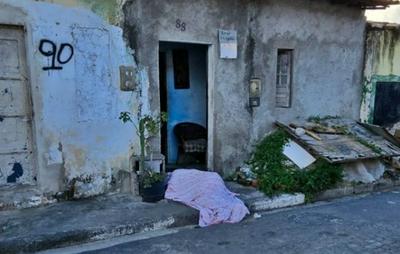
<point x="210" y="94"/>
<point x="163" y="93"/>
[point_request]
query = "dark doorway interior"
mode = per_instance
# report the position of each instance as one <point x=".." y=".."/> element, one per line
<point x="387" y="104"/>
<point x="183" y="95"/>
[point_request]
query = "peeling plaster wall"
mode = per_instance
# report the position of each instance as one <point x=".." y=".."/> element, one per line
<point x="328" y="56"/>
<point x="78" y="137"/>
<point x="109" y="10"/>
<point x="382" y="63"/>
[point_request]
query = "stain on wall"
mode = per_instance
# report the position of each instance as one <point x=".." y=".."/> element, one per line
<point x="109" y="10"/>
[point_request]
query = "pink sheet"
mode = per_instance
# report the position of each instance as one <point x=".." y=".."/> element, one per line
<point x="206" y="192"/>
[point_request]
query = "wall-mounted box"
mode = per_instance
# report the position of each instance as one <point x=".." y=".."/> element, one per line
<point x="254" y="102"/>
<point x="127" y="76"/>
<point x="254" y="92"/>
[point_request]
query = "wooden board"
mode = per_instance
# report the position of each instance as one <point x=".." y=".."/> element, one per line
<point x="340" y="148"/>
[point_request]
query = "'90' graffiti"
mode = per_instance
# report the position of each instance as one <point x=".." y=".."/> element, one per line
<point x="62" y="55"/>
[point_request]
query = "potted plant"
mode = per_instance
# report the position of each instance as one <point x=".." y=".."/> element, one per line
<point x="152" y="184"/>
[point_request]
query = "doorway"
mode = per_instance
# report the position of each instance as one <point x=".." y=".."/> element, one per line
<point x="183" y="95"/>
<point x="387" y="109"/>
<point x="16" y="149"/>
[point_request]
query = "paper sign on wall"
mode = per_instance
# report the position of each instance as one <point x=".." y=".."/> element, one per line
<point x="228" y="44"/>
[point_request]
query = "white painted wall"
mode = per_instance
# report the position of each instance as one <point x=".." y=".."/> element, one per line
<point x="76" y="127"/>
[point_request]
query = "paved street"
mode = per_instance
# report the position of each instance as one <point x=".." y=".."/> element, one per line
<point x="354" y="225"/>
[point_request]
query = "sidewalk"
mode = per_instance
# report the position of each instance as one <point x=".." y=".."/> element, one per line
<point x="75" y="222"/>
<point x="67" y="223"/>
<point x="105" y="217"/>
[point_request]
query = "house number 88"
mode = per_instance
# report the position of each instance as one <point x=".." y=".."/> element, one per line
<point x="180" y="25"/>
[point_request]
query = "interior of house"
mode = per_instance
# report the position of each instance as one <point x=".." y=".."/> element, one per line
<point x="183" y="96"/>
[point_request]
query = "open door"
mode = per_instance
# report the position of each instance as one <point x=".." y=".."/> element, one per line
<point x="183" y="95"/>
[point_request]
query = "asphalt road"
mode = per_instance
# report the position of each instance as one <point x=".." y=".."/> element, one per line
<point x="369" y="224"/>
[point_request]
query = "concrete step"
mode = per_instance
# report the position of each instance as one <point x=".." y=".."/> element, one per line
<point x="73" y="222"/>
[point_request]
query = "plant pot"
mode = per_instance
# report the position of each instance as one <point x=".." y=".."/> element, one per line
<point x="154" y="193"/>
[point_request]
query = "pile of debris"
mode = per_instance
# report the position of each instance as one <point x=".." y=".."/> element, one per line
<point x="366" y="152"/>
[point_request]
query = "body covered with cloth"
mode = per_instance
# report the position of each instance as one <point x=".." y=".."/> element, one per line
<point x="206" y="192"/>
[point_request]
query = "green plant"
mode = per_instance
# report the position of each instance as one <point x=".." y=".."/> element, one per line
<point x="342" y="129"/>
<point x="370" y="145"/>
<point x="268" y="154"/>
<point x="321" y="176"/>
<point x="276" y="174"/>
<point x="149" y="178"/>
<point x="147" y="127"/>
<point x="319" y="119"/>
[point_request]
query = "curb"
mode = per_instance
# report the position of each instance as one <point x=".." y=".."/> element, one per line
<point x="258" y="202"/>
<point x="281" y="201"/>
<point x="357" y="189"/>
<point x="254" y="200"/>
<point x="64" y="239"/>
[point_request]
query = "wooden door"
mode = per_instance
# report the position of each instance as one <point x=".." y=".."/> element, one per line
<point x="16" y="156"/>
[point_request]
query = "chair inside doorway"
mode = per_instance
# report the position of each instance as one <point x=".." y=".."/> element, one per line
<point x="192" y="143"/>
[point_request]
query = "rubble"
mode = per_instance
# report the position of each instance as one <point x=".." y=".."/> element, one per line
<point x="364" y="171"/>
<point x="365" y="154"/>
<point x="345" y="140"/>
<point x="361" y="148"/>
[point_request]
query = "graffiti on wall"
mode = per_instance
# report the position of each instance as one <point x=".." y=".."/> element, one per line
<point x="17" y="170"/>
<point x="59" y="56"/>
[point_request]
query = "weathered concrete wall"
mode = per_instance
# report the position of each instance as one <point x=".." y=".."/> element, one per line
<point x="79" y="141"/>
<point x="382" y="63"/>
<point x="328" y="54"/>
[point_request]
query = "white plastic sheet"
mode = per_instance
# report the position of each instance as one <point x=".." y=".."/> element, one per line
<point x="298" y="155"/>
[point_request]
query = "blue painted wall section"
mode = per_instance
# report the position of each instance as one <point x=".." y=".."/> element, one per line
<point x="186" y="105"/>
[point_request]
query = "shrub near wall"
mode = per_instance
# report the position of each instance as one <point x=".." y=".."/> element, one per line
<point x="277" y="175"/>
